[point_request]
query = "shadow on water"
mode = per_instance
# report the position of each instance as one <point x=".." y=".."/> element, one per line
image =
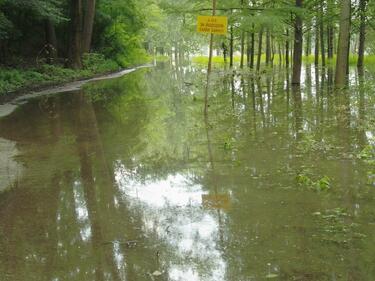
<point x="124" y="180"/>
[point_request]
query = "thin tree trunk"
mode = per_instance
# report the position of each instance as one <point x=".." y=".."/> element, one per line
<point x="75" y="47"/>
<point x="298" y="47"/>
<point x="248" y="49"/>
<point x="51" y="41"/>
<point x="268" y="47"/>
<point x="88" y="25"/>
<point x="260" y="48"/>
<point x="322" y="45"/>
<point x="341" y="77"/>
<point x="252" y="55"/>
<point x="308" y="41"/>
<point x="287" y="47"/>
<point x="316" y="51"/>
<point x="231" y="51"/>
<point x="242" y="49"/>
<point x="362" y="33"/>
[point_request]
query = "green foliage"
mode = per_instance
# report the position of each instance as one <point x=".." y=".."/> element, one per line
<point x="15" y="79"/>
<point x="322" y="184"/>
<point x="121" y="37"/>
<point x="368" y="154"/>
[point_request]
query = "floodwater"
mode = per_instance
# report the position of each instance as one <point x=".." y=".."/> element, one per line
<point x="126" y="180"/>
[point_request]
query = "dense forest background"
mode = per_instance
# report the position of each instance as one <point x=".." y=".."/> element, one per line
<point x="103" y="35"/>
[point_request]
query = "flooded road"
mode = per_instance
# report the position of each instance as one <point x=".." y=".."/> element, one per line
<point x="125" y="180"/>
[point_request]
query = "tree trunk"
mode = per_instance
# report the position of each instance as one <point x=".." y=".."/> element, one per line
<point x="231" y="51"/>
<point x="88" y="25"/>
<point x="316" y="51"/>
<point x="362" y="33"/>
<point x="51" y="41"/>
<point x="341" y="77"/>
<point x="298" y="46"/>
<point x="260" y="48"/>
<point x="75" y="48"/>
<point x="287" y="47"/>
<point x="248" y="50"/>
<point x="308" y="41"/>
<point x="242" y="49"/>
<point x="252" y="55"/>
<point x="330" y="41"/>
<point x="268" y="47"/>
<point x="322" y="45"/>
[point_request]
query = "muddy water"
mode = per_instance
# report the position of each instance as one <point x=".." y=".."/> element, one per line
<point x="125" y="180"/>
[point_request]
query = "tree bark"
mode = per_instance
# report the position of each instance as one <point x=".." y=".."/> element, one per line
<point x="322" y="45"/>
<point x="287" y="49"/>
<point x="252" y="55"/>
<point x="51" y="41"/>
<point x="316" y="51"/>
<point x="75" y="48"/>
<point x="298" y="46"/>
<point x="260" y="49"/>
<point x="362" y="33"/>
<point x="308" y="41"/>
<point x="231" y="51"/>
<point x="88" y="25"/>
<point x="341" y="77"/>
<point x="242" y="49"/>
<point x="268" y="47"/>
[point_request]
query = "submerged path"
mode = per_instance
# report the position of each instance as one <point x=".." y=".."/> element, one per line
<point x="123" y="180"/>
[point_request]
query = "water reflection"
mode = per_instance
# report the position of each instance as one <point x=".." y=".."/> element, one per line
<point x="125" y="178"/>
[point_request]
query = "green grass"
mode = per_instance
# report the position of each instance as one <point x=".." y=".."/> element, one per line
<point x="369" y="60"/>
<point x="13" y="79"/>
<point x="203" y="60"/>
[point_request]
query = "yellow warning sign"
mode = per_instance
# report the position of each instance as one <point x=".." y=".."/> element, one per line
<point x="213" y="24"/>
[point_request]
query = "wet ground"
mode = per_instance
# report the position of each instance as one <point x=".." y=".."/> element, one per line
<point x="126" y="180"/>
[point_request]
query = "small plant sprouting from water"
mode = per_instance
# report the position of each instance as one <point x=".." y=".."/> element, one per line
<point x="322" y="184"/>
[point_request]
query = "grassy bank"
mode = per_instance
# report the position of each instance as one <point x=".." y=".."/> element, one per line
<point x="13" y="79"/>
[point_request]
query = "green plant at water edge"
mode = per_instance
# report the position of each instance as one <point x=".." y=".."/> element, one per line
<point x="337" y="226"/>
<point x="368" y="154"/>
<point x="14" y="79"/>
<point x="322" y="184"/>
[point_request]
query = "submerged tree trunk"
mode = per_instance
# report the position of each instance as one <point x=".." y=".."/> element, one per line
<point x="298" y="46"/>
<point x="75" y="60"/>
<point x="362" y="33"/>
<point x="88" y="25"/>
<point x="341" y="76"/>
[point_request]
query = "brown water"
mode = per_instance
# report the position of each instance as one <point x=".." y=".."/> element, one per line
<point x="125" y="180"/>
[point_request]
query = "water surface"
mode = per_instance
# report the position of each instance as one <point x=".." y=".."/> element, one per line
<point x="125" y="180"/>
